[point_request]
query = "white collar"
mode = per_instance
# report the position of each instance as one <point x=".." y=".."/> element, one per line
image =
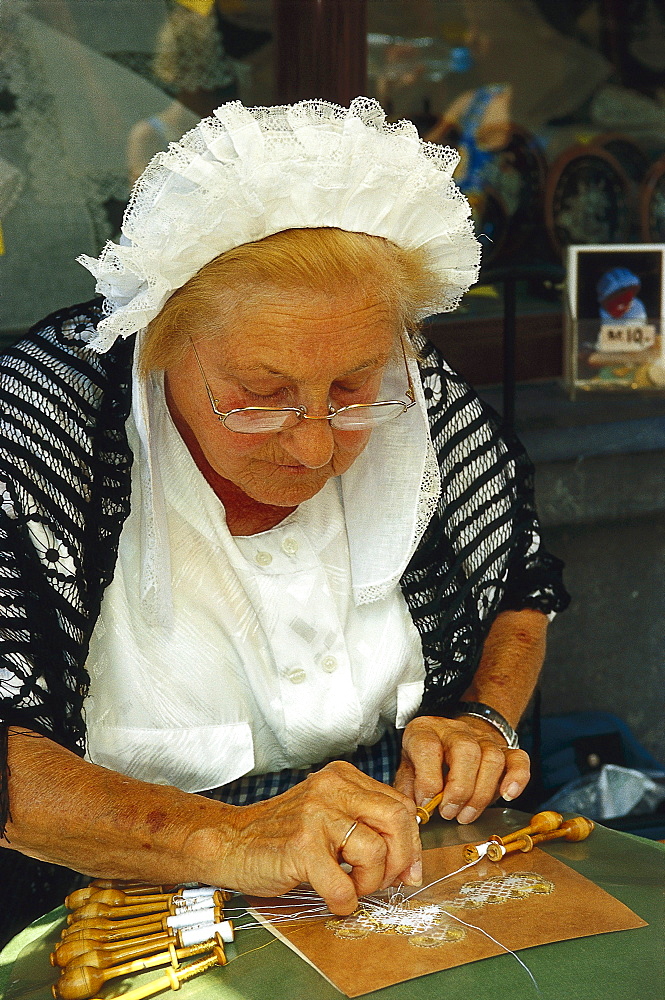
<point x="390" y="493"/>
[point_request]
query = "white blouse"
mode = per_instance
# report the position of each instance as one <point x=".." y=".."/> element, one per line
<point x="251" y="654"/>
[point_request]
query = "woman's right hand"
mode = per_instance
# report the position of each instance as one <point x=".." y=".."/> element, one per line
<point x="295" y="837"/>
<point x="73" y="813"/>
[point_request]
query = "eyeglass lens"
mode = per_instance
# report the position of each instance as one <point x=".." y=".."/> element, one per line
<point x="352" y="418"/>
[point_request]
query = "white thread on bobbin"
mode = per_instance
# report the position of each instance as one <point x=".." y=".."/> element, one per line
<point x="189" y="918"/>
<point x="200" y="891"/>
<point x="196" y="903"/>
<point x="205" y="932"/>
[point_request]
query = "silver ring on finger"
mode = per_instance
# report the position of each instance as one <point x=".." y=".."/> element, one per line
<point x="345" y="838"/>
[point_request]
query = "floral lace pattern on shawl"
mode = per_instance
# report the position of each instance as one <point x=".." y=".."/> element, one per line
<point x="64" y="494"/>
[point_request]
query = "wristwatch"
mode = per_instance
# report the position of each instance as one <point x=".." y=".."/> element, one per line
<point x="481" y="711"/>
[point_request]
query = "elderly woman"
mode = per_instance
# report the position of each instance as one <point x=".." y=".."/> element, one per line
<point x="271" y="576"/>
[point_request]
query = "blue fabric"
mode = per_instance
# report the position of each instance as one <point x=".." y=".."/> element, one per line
<point x="476" y="160"/>
<point x="558" y="734"/>
<point x="378" y="761"/>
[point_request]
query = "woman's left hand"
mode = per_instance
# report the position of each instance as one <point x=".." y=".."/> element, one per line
<point x="467" y="757"/>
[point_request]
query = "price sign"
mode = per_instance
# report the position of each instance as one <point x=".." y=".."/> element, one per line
<point x="626" y="337"/>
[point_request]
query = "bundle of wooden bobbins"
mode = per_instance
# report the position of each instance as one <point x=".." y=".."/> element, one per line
<point x="117" y="928"/>
<point x="544" y="826"/>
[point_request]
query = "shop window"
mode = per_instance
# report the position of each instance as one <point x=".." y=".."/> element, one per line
<point x="89" y="91"/>
<point x="556" y="106"/>
<point x="558" y="112"/>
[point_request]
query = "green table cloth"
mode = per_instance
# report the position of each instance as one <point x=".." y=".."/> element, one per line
<point x="626" y="965"/>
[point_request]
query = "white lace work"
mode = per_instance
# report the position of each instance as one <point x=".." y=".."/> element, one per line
<point x="246" y="173"/>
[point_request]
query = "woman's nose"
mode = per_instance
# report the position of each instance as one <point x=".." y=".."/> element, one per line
<point x="311" y="443"/>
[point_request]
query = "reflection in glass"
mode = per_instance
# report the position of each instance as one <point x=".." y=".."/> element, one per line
<point x="139" y="73"/>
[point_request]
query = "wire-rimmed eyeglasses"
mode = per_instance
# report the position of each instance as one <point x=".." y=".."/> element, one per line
<point x="272" y="420"/>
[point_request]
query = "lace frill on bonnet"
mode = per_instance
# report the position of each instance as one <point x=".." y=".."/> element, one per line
<point x="244" y="174"/>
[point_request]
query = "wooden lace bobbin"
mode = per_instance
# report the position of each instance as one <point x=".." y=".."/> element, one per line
<point x="104" y="955"/>
<point x="174" y="978"/>
<point x="496" y="851"/>
<point x="104" y="958"/>
<point x="117" y="936"/>
<point x="114" y="930"/>
<point x="108" y="920"/>
<point x="93" y="909"/>
<point x="424" y="813"/>
<point x="130" y="888"/>
<point x="474" y="852"/>
<point x="573" y="830"/>
<point x="114" y="910"/>
<point x="71" y="950"/>
<point x="80" y="982"/>
<point x="83" y="982"/>
<point x="134" y="896"/>
<point x="103" y="929"/>
<point x="113" y="897"/>
<point x="542" y="822"/>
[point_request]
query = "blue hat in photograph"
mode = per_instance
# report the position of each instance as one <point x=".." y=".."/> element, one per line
<point x="615" y="281"/>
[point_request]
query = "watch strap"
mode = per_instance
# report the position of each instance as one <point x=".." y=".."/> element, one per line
<point x="479" y="710"/>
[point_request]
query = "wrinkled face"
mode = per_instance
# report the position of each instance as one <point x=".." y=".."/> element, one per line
<point x="299" y="350"/>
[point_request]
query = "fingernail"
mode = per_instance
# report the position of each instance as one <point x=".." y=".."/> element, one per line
<point x="511" y="792"/>
<point x="423" y="802"/>
<point x="467" y="815"/>
<point x="415" y="874"/>
<point x="450" y="810"/>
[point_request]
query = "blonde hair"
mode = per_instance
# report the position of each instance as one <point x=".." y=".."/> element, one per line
<point x="328" y="261"/>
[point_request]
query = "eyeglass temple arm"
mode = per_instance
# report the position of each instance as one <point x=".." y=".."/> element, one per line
<point x="213" y="401"/>
<point x="411" y="391"/>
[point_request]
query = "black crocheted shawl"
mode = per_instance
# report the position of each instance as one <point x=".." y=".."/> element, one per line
<point x="65" y="493"/>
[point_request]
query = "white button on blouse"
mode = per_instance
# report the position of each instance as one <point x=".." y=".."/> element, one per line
<point x="297" y="675"/>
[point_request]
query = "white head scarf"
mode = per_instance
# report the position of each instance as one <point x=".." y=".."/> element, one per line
<point x="246" y="173"/>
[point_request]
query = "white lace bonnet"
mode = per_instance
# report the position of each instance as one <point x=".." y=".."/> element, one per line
<point x="246" y="173"/>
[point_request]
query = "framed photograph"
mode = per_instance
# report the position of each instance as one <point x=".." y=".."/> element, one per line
<point x="615" y="303"/>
